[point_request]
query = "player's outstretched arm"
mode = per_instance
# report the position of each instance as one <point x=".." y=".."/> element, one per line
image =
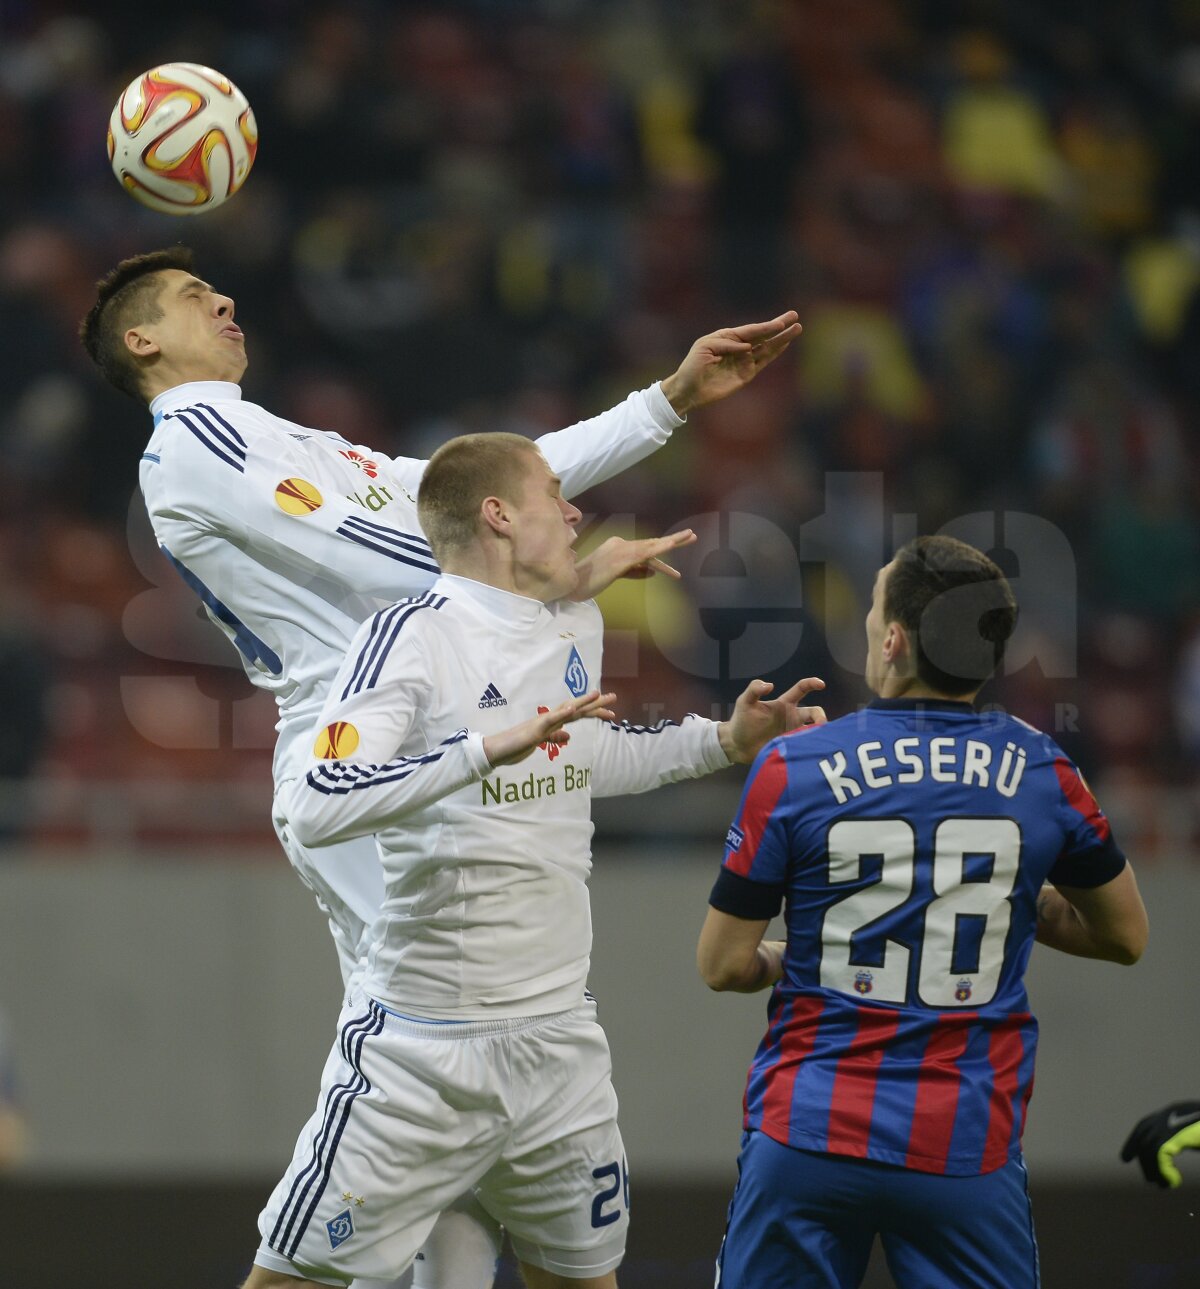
<point x="637" y="758"/>
<point x="1107" y="922"/>
<point x="518" y="741"/>
<point x="725" y="361"/>
<point x="1159" y="1137"/>
<point x="717" y="365"/>
<point x="756" y="719"/>
<point x="619" y="557"/>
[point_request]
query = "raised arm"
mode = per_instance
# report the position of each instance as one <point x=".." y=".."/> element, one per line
<point x="636" y="758"/>
<point x="724" y="361"/>
<point x="717" y="365"/>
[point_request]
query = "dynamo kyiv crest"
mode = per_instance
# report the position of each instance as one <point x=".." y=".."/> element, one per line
<point x="340" y="1228"/>
<point x="576" y="676"/>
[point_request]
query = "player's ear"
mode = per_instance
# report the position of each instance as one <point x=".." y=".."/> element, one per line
<point x="494" y="513"/>
<point x="896" y="644"/>
<point x="140" y="343"/>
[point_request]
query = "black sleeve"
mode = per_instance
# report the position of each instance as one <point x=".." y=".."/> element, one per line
<point x="1096" y="867"/>
<point x="741" y="898"/>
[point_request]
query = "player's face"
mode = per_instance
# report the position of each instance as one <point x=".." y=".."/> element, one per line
<point x="543" y="535"/>
<point x="196" y="338"/>
<point x="876" y="633"/>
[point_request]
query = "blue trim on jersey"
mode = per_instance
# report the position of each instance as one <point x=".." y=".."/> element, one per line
<point x="218" y="443"/>
<point x="344" y="778"/>
<point x="225" y="425"/>
<point x="219" y="428"/>
<point x="152" y="456"/>
<point x="385" y="628"/>
<point x="624" y="727"/>
<point x="415" y="543"/>
<point x="386" y="544"/>
<point x="379" y="625"/>
<point x="315" y="1175"/>
<point x="251" y="647"/>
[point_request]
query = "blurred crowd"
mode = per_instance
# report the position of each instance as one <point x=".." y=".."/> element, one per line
<point x="508" y="213"/>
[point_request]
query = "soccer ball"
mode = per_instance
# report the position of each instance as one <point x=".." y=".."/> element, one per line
<point x="182" y="138"/>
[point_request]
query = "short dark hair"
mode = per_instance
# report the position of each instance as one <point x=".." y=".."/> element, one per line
<point x="126" y="297"/>
<point x="460" y="474"/>
<point x="957" y="608"/>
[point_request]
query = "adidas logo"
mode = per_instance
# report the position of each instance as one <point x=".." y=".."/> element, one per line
<point x="492" y="697"/>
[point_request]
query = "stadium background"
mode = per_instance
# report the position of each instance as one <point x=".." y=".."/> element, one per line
<point x="506" y="214"/>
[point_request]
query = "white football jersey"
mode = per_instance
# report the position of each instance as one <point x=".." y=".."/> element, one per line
<point x="293" y="536"/>
<point x="486" y="912"/>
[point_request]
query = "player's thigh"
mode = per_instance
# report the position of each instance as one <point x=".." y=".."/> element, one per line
<point x="961" y="1232"/>
<point x="561" y="1187"/>
<point x="537" y="1278"/>
<point x="262" y="1279"/>
<point x="462" y="1251"/>
<point x="796" y="1218"/>
<point x="402" y="1126"/>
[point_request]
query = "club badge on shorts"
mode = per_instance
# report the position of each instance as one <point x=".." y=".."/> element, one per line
<point x="340" y="1228"/>
<point x="575" y="676"/>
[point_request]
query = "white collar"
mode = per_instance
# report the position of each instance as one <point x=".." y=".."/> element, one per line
<point x="509" y="605"/>
<point x="194" y="391"/>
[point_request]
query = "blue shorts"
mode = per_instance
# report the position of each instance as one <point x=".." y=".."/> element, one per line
<point x="800" y="1218"/>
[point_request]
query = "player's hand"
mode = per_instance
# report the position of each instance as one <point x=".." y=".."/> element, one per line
<point x="756" y="720"/>
<point x="619" y="557"/>
<point x="770" y="963"/>
<point x="723" y="361"/>
<point x="516" y="743"/>
<point x="1159" y="1137"/>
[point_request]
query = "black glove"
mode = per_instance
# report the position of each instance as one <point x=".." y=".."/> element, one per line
<point x="1159" y="1137"/>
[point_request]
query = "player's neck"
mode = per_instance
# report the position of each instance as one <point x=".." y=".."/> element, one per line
<point x="912" y="688"/>
<point x="497" y="573"/>
<point x="165" y="378"/>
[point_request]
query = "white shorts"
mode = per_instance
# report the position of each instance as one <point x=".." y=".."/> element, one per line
<point x="412" y="1114"/>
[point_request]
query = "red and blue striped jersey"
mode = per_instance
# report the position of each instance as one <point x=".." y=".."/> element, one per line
<point x="908" y="842"/>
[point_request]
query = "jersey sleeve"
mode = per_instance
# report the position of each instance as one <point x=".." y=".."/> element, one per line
<point x="583" y="454"/>
<point x="635" y="758"/>
<point x="242" y="486"/>
<point x="591" y="451"/>
<point x="1090" y="857"/>
<point x="406" y="471"/>
<point x="357" y="782"/>
<point x="753" y="874"/>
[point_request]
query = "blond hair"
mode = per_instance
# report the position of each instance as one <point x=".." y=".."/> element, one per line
<point x="460" y="474"/>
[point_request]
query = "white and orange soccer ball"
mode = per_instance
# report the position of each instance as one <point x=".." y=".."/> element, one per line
<point x="182" y="138"/>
